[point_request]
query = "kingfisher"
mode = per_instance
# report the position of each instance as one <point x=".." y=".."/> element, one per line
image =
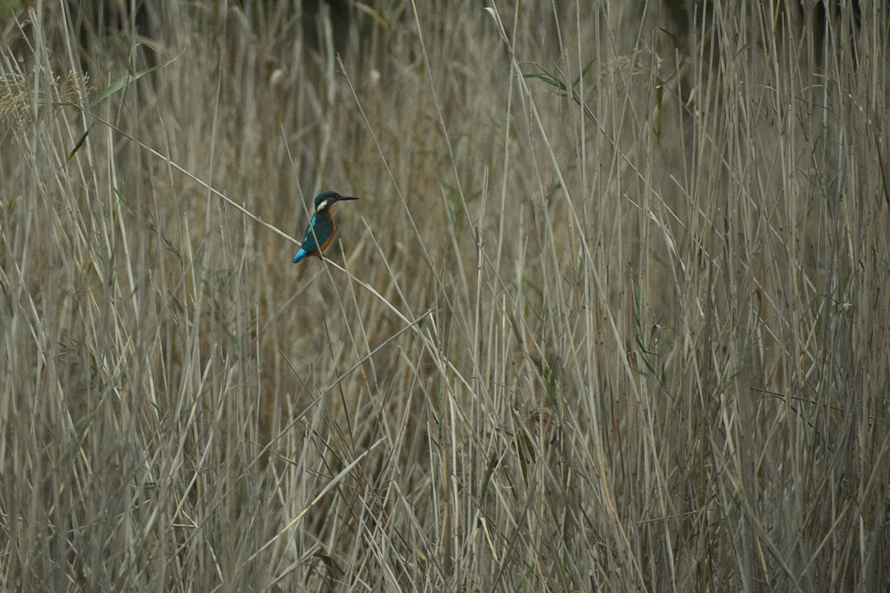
<point x="321" y="227"/>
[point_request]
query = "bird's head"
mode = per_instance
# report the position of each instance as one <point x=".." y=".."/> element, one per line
<point x="325" y="199"/>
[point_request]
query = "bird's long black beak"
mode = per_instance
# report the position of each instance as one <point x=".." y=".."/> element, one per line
<point x="341" y="198"/>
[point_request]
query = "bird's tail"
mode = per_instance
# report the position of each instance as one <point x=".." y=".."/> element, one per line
<point x="300" y="255"/>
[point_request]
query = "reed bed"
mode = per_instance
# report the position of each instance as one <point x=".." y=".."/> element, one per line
<point x="610" y="315"/>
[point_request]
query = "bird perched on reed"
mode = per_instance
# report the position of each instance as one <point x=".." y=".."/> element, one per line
<point x="321" y="227"/>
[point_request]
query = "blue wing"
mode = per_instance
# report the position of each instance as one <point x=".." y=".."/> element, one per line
<point x="308" y="243"/>
<point x="324" y="229"/>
